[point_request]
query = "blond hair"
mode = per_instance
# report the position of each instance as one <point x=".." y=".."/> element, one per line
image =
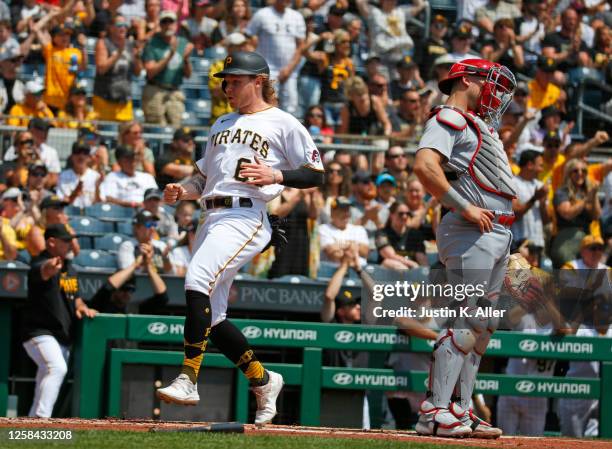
<point x="575" y="192"/>
<point x="355" y="86"/>
<point x="125" y="127"/>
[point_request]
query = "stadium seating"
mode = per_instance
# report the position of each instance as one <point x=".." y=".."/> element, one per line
<point x="89" y="226"/>
<point x="96" y="259"/>
<point x="24" y="256"/>
<point x="124" y="227"/>
<point x="109" y="212"/>
<point x="85" y="242"/>
<point x="110" y="242"/>
<point x="73" y="211"/>
<point x="12" y="264"/>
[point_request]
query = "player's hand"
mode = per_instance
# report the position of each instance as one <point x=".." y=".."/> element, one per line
<point x="481" y="217"/>
<point x="258" y="173"/>
<point x="173" y="193"/>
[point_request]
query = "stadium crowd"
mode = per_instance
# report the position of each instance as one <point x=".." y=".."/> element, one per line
<point x="345" y="67"/>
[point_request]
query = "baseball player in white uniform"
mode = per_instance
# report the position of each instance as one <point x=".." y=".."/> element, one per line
<point x="519" y="415"/>
<point x="580" y="417"/>
<point x="461" y="161"/>
<point x="250" y="155"/>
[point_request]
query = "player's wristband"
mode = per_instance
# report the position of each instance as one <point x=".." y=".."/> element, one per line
<point x="453" y="200"/>
<point x="302" y="178"/>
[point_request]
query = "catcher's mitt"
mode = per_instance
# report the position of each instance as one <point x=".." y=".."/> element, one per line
<point x="523" y="284"/>
<point x="279" y="234"/>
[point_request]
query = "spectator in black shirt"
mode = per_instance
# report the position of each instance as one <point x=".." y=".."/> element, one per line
<point x="177" y="164"/>
<point x="434" y="47"/>
<point x="409" y="78"/>
<point x="117" y="292"/>
<point x="49" y="317"/>
<point x="566" y="46"/>
<point x="400" y="247"/>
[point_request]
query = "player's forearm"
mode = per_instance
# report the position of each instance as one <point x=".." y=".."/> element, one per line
<point x="430" y="173"/>
<point x="194" y="187"/>
<point x="301" y="178"/>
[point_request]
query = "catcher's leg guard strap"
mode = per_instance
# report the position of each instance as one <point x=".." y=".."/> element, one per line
<point x="233" y="344"/>
<point x="196" y="332"/>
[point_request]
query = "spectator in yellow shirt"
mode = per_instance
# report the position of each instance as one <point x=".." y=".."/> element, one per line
<point x="220" y="106"/>
<point x="63" y="62"/>
<point x="32" y="106"/>
<point x="542" y="92"/>
<point x="77" y="113"/>
<point x="10" y="201"/>
<point x="553" y="159"/>
<point x="8" y="238"/>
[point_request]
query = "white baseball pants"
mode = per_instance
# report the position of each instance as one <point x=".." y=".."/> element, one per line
<point x="522" y="416"/>
<point x="51" y="357"/>
<point x="225" y="241"/>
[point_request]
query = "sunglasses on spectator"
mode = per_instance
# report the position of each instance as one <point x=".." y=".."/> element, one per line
<point x="16" y="59"/>
<point x="138" y="132"/>
<point x="595" y="248"/>
<point x="439" y="25"/>
<point x="552" y="144"/>
<point x="344" y="41"/>
<point x="166" y="21"/>
<point x="38" y="174"/>
<point x="150" y="225"/>
<point x="403" y="214"/>
<point x="381" y="85"/>
<point x="315" y="115"/>
<point x="26" y="142"/>
<point x="411" y="100"/>
<point x="122" y="25"/>
<point x="335" y="170"/>
<point x="395" y="156"/>
<point x="580" y="170"/>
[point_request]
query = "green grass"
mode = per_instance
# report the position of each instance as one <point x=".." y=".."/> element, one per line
<point x="101" y="439"/>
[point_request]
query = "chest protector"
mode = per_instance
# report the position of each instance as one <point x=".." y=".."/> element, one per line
<point x="489" y="166"/>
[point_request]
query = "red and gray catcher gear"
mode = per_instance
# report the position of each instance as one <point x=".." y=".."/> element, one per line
<point x="496" y="93"/>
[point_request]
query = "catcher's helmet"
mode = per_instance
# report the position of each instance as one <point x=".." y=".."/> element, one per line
<point x="497" y="91"/>
<point x="244" y="63"/>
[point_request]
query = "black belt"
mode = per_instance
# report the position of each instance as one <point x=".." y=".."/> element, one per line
<point x="226" y="202"/>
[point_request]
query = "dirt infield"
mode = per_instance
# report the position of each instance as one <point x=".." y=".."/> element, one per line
<point x="148" y="426"/>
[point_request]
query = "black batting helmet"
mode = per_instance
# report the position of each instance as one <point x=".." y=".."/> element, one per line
<point x="244" y="63"/>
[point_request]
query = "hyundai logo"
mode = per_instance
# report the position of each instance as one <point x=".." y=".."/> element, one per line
<point x="343" y="378"/>
<point x="528" y="345"/>
<point x="525" y="386"/>
<point x="252" y="332"/>
<point x="344" y="336"/>
<point x="157" y="328"/>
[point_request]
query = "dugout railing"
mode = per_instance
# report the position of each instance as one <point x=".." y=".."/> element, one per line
<point x="99" y="368"/>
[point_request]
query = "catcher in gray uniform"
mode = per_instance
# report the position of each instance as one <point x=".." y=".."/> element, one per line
<point x="461" y="162"/>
